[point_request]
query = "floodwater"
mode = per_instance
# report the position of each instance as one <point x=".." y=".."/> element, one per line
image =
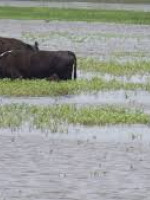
<point x="78" y="4"/>
<point x="90" y="163"/>
<point x="137" y="78"/>
<point x="103" y="41"/>
<point x="110" y="162"/>
<point x="136" y="99"/>
<point x="35" y="166"/>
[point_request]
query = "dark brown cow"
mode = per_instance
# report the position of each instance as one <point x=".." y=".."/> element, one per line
<point x="53" y="77"/>
<point x="7" y="44"/>
<point x="39" y="64"/>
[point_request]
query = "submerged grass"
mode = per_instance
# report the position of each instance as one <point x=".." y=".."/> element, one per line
<point x="131" y="17"/>
<point x="46" y="88"/>
<point x="54" y="117"/>
<point x="115" y="68"/>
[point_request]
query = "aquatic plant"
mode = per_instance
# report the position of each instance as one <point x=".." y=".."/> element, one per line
<point x="57" y="117"/>
<point x="45" y="88"/>
<point x="115" y="68"/>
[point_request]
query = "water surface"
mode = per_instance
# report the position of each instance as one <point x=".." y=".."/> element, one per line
<point x="79" y="4"/>
<point x="36" y="166"/>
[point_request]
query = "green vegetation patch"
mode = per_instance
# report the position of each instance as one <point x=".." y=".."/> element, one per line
<point x="131" y="17"/>
<point x="46" y="88"/>
<point x="58" y="116"/>
<point x="115" y="68"/>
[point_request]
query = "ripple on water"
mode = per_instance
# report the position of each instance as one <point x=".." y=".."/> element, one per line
<point x="108" y="77"/>
<point x="121" y="97"/>
<point x="91" y="164"/>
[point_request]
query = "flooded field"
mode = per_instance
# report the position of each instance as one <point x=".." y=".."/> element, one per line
<point x="80" y="4"/>
<point x="138" y="99"/>
<point x="110" y="162"/>
<point x="97" y="40"/>
<point x="34" y="166"/>
<point x="138" y="78"/>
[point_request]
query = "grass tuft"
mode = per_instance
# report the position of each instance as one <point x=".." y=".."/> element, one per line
<point x="56" y="117"/>
<point x="115" y="68"/>
<point x="45" y="88"/>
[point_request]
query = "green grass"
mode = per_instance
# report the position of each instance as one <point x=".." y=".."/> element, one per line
<point x="46" y="88"/>
<point x="57" y="117"/>
<point x="132" y="17"/>
<point x="115" y="68"/>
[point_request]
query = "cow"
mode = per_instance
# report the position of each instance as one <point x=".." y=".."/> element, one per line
<point x="60" y="65"/>
<point x="53" y="77"/>
<point x="7" y="44"/>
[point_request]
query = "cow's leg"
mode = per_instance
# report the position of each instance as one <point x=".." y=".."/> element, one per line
<point x="53" y="77"/>
<point x="15" y="74"/>
<point x="67" y="74"/>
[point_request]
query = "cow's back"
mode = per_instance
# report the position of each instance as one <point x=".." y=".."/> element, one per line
<point x="7" y="44"/>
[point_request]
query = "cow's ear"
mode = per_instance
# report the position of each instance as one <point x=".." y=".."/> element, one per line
<point x="36" y="44"/>
<point x="29" y="46"/>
